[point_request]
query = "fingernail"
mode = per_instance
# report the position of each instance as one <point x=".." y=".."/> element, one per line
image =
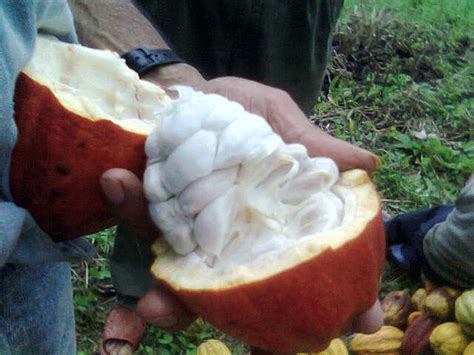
<point x="113" y="190"/>
<point x="377" y="161"/>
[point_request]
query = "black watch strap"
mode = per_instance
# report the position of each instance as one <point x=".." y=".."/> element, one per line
<point x="143" y="59"/>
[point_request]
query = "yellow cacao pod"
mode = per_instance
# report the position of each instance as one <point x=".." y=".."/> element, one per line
<point x="448" y="339"/>
<point x="440" y="304"/>
<point x="464" y="310"/>
<point x="469" y="349"/>
<point x="213" y="347"/>
<point x="387" y="340"/>
<point x="336" y="347"/>
<point x="418" y="299"/>
<point x="453" y="292"/>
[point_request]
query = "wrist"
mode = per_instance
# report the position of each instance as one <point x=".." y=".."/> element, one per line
<point x="175" y="74"/>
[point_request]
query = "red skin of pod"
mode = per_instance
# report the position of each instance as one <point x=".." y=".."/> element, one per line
<point x="59" y="158"/>
<point x="303" y="308"/>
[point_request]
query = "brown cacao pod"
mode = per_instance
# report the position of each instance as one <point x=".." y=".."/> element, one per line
<point x="396" y="307"/>
<point x="412" y="316"/>
<point x="417" y="335"/>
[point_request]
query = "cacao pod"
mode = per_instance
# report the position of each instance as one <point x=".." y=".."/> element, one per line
<point x="86" y="112"/>
<point x="454" y="293"/>
<point x="387" y="340"/>
<point x="440" y="304"/>
<point x="469" y="349"/>
<point x="412" y="316"/>
<point x="418" y="299"/>
<point x="336" y="347"/>
<point x="448" y="339"/>
<point x="213" y="347"/>
<point x="464" y="311"/>
<point x="417" y="335"/>
<point x="396" y="306"/>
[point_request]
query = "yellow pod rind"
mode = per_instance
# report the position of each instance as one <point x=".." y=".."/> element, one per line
<point x="213" y="347"/>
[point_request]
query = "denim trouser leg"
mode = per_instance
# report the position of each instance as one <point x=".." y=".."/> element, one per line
<point x="36" y="309"/>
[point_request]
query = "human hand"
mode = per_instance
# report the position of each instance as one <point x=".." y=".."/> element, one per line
<point x="125" y="327"/>
<point x="287" y="119"/>
<point x="277" y="107"/>
<point x="124" y="191"/>
<point x="153" y="308"/>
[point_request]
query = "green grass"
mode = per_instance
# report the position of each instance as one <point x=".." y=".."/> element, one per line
<point x="400" y="84"/>
<point x="458" y="14"/>
<point x="405" y="91"/>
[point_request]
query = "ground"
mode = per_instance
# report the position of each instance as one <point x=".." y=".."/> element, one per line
<point x="399" y="84"/>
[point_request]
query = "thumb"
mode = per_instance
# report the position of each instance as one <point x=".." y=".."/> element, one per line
<point x="124" y="193"/>
<point x="347" y="156"/>
<point x="369" y="321"/>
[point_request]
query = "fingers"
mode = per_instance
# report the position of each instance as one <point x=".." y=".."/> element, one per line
<point x="160" y="308"/>
<point x="124" y="194"/>
<point x="370" y="321"/>
<point x="294" y="127"/>
<point x="347" y="156"/>
<point x="288" y="120"/>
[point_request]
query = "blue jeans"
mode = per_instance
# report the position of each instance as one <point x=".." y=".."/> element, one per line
<point x="36" y="309"/>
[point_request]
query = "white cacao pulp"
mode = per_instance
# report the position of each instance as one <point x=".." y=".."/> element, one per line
<point x="221" y="184"/>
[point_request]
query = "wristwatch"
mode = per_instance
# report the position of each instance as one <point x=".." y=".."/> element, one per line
<point x="143" y="59"/>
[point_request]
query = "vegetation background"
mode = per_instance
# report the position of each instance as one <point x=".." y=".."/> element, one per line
<point x="400" y="84"/>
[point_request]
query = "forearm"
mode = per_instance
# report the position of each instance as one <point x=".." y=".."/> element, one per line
<point x="119" y="26"/>
<point x="116" y="25"/>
